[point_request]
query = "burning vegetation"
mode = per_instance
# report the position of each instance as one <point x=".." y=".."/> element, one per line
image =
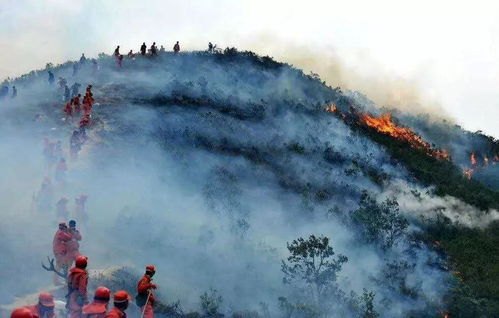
<point x="385" y="125"/>
<point x="477" y="162"/>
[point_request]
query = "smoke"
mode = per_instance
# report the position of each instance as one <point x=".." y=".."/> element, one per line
<point x="205" y="166"/>
<point x="358" y="73"/>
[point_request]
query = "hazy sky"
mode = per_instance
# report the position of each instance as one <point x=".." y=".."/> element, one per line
<point x="446" y="51"/>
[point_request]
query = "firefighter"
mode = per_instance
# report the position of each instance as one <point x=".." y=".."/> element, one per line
<point x="85" y="120"/>
<point x="145" y="297"/>
<point x="59" y="247"/>
<point x="73" y="246"/>
<point x="77" y="287"/>
<point x="120" y="299"/>
<point x="62" y="211"/>
<point x="97" y="308"/>
<point x="68" y="109"/>
<point x="45" y="306"/>
<point x="22" y="312"/>
<point x="143" y="48"/>
<point x="76" y="103"/>
<point x="176" y="48"/>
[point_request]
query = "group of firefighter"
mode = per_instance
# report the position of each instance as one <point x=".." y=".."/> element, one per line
<point x="74" y="106"/>
<point x="66" y="242"/>
<point x="78" y="304"/>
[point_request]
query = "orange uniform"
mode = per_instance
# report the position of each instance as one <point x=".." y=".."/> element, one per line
<point x="144" y="288"/>
<point x="73" y="246"/>
<point x="77" y="291"/>
<point x="115" y="313"/>
<point x="59" y="246"/>
<point x="94" y="310"/>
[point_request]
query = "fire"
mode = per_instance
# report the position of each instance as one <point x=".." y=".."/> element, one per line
<point x="332" y="108"/>
<point x="385" y="125"/>
<point x="468" y="173"/>
<point x="473" y="159"/>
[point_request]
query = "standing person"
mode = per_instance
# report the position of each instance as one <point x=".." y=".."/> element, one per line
<point x="143" y="49"/>
<point x="77" y="103"/>
<point x="97" y="308"/>
<point x="145" y="297"/>
<point x="117" y="51"/>
<point x="120" y="299"/>
<point x="130" y="54"/>
<point x="83" y="59"/>
<point x="176" y="48"/>
<point x="45" y="306"/>
<point x="77" y="287"/>
<point x="154" y="49"/>
<point x="14" y="92"/>
<point x="59" y="248"/>
<point x="73" y="245"/>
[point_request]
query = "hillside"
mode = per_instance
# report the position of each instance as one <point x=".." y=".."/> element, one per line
<point x="209" y="165"/>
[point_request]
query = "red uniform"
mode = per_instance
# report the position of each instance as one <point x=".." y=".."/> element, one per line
<point x="35" y="310"/>
<point x="85" y="120"/>
<point x="115" y="313"/>
<point x="144" y="287"/>
<point x="77" y="290"/>
<point x="68" y="109"/>
<point x="76" y="103"/>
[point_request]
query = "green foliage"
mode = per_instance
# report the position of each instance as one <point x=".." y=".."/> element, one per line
<point x="380" y="223"/>
<point x="312" y="262"/>
<point x="367" y="305"/>
<point x="474" y="258"/>
<point x="210" y="302"/>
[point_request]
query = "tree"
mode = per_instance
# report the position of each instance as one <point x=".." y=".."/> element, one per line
<point x="312" y="262"/>
<point x="380" y="223"/>
<point x="210" y="303"/>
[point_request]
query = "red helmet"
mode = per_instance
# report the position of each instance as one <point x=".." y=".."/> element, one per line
<point x="150" y="268"/>
<point x="81" y="261"/>
<point x="46" y="299"/>
<point x="121" y="296"/>
<point x="102" y="293"/>
<point x="21" y="313"/>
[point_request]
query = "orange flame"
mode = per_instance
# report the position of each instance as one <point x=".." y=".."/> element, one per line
<point x="473" y="159"/>
<point x="331" y="108"/>
<point x="385" y="125"/>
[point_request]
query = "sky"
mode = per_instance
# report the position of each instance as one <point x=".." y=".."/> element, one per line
<point x="440" y="56"/>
